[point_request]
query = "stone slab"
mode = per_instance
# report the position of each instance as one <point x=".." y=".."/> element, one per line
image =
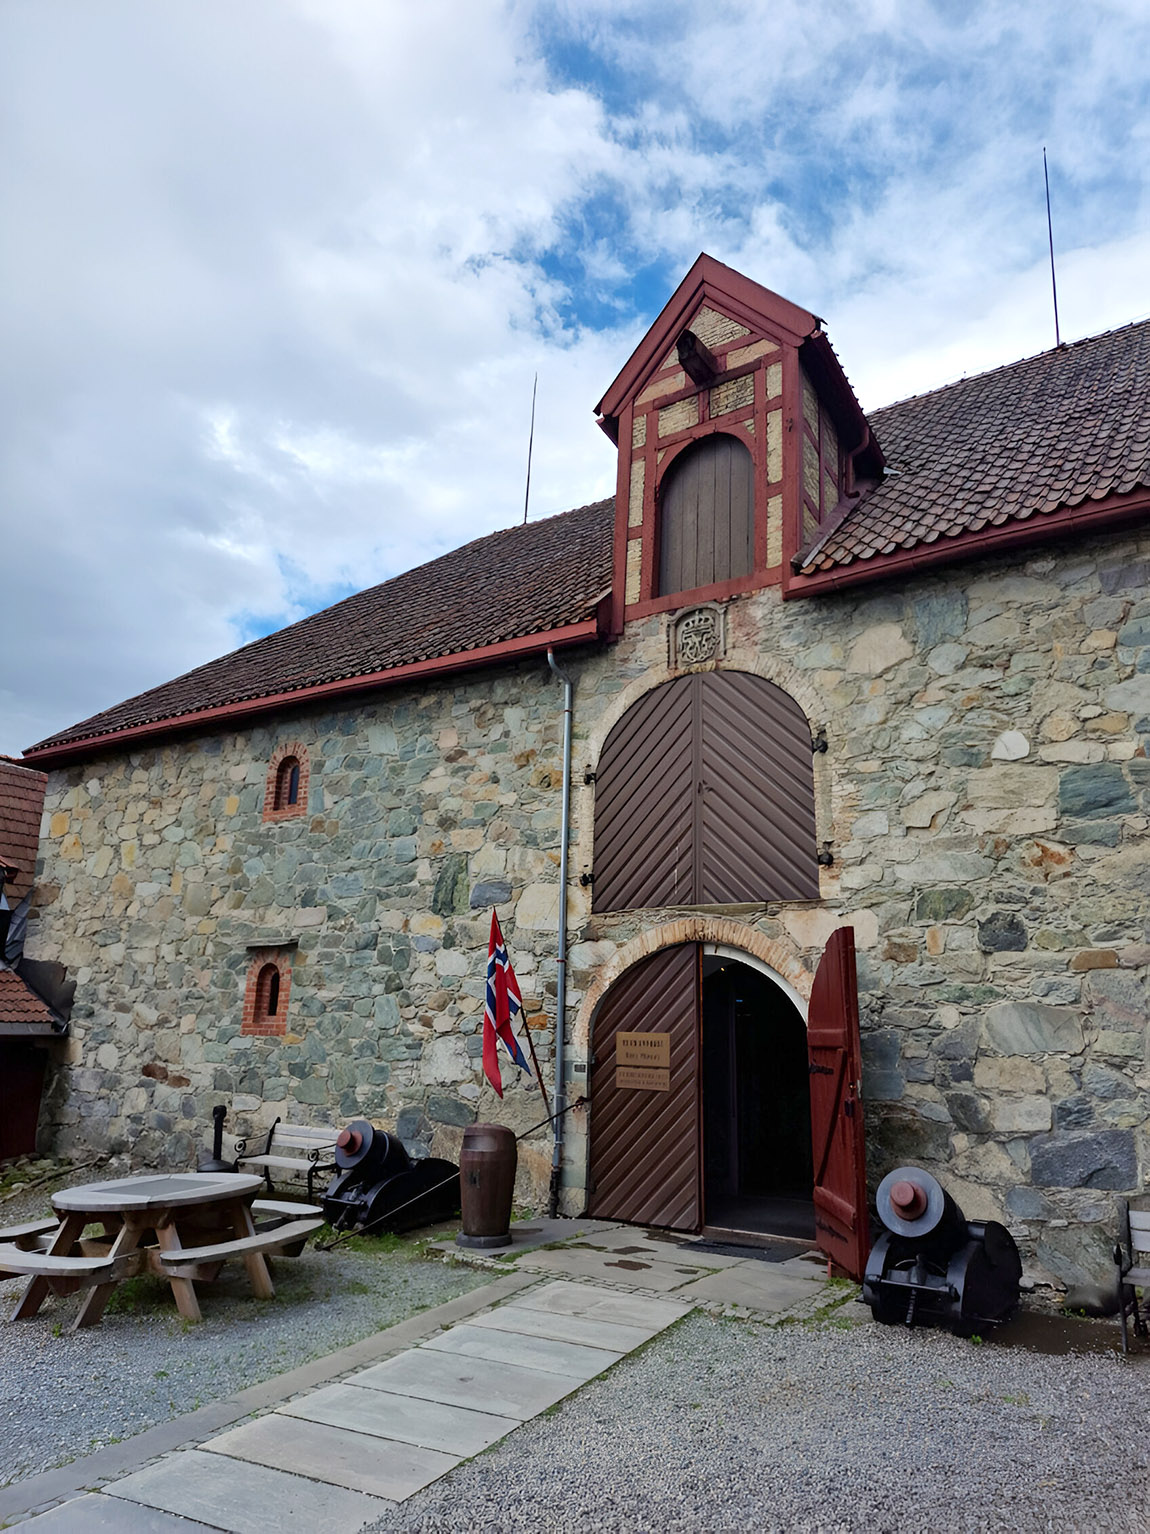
<point x="382" y="1467"/>
<point x="811" y="1267"/>
<point x="544" y="1353"/>
<point x="502" y="1389"/>
<point x="95" y="1514"/>
<point x="638" y="1272"/>
<point x="407" y="1419"/>
<point x="756" y="1286"/>
<point x="243" y="1498"/>
<point x="626" y="1240"/>
<point x="70" y="1481"/>
<point x="531" y="1234"/>
<point x="569" y="1299"/>
<point x="589" y="1333"/>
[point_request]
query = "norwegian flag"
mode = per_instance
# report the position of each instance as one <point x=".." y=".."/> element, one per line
<point x="503" y="1003"/>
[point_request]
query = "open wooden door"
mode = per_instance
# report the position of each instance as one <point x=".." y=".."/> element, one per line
<point x="645" y="1161"/>
<point x="836" y="1108"/>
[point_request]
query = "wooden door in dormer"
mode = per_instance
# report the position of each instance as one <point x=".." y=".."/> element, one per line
<point x="704" y="795"/>
<point x="707" y="515"/>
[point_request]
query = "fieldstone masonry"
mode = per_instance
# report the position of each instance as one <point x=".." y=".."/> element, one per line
<point x="986" y="796"/>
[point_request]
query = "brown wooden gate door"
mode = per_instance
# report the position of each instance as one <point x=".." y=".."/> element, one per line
<point x="704" y="795"/>
<point x="645" y="1161"/>
<point x="836" y="1108"/>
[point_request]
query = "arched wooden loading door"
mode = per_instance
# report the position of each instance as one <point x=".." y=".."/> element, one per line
<point x="704" y="795"/>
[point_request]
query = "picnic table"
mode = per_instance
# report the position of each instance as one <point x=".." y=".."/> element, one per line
<point x="182" y="1225"/>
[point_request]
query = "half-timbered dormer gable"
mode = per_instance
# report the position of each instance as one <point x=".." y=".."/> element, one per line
<point x="739" y="441"/>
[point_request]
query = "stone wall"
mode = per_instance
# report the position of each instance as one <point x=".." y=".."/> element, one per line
<point x="986" y="794"/>
<point x="160" y="877"/>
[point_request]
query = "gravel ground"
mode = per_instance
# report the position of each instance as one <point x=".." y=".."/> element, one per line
<point x="64" y="1394"/>
<point x="840" y="1425"/>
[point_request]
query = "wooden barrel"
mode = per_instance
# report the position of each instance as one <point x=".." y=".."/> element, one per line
<point x="487" y="1165"/>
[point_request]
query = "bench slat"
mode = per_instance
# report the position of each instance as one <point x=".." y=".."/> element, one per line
<point x="42" y="1265"/>
<point x="286" y="1162"/>
<point x="264" y="1241"/>
<point x="30" y="1231"/>
<point x="286" y="1208"/>
<point x="1139" y="1276"/>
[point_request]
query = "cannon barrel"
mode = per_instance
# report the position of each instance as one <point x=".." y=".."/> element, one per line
<point x="378" y="1185"/>
<point x="934" y="1267"/>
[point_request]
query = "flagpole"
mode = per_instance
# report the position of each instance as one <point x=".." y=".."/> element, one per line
<point x="538" y="1072"/>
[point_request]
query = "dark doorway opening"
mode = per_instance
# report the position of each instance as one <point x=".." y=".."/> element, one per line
<point x="757" y="1165"/>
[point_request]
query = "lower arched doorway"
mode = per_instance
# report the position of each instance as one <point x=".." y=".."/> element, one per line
<point x="757" y="1170"/>
<point x="700" y="1102"/>
<point x="685" y="1052"/>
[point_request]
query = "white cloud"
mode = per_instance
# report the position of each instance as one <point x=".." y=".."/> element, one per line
<point x="275" y="278"/>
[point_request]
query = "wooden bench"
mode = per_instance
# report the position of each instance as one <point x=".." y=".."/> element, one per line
<point x="277" y="1240"/>
<point x="17" y="1263"/>
<point x="293" y="1148"/>
<point x="64" y="1275"/>
<point x="31" y="1236"/>
<point x="1133" y="1271"/>
<point x="274" y="1214"/>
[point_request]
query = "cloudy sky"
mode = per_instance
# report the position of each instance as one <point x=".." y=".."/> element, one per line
<point x="276" y="275"/>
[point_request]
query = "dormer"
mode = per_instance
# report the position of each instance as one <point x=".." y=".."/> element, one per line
<point x="740" y="443"/>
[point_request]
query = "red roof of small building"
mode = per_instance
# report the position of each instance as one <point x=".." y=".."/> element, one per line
<point x="21" y="805"/>
<point x="21" y="1007"/>
<point x="1056" y="431"/>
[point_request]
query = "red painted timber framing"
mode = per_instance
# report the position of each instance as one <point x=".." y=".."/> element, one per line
<point x="1041" y="526"/>
<point x="251" y="708"/>
<point x="744" y="300"/>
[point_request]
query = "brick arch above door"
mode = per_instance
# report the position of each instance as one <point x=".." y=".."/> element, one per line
<point x="780" y="957"/>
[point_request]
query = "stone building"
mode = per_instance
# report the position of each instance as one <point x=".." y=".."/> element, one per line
<point x="885" y="673"/>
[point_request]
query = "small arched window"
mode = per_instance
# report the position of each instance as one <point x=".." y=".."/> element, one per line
<point x="706" y="516"/>
<point x="268" y="992"/>
<point x="268" y="989"/>
<point x="287" y="784"/>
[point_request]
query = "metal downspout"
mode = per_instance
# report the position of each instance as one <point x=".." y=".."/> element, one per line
<point x="561" y="1005"/>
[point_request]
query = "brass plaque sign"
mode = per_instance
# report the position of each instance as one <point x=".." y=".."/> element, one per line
<point x="652" y="1049"/>
<point x="648" y="1078"/>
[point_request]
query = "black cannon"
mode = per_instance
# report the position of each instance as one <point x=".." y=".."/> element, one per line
<point x="379" y="1186"/>
<point x="934" y="1267"/>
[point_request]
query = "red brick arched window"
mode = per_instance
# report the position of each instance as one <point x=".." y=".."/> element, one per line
<point x="287" y="785"/>
<point x="268" y="989"/>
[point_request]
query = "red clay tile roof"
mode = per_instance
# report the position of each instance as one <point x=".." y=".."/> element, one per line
<point x="1057" y="430"/>
<point x="513" y="583"/>
<point x="21" y="803"/>
<point x="20" y="1005"/>
<point x="1068" y="426"/>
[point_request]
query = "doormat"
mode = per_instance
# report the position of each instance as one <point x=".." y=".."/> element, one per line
<point x="779" y="1252"/>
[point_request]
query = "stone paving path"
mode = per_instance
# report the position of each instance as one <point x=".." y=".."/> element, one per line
<point x="342" y="1456"/>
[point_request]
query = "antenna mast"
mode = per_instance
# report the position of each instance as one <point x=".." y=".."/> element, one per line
<point x="1050" y="233"/>
<point x="530" y="445"/>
